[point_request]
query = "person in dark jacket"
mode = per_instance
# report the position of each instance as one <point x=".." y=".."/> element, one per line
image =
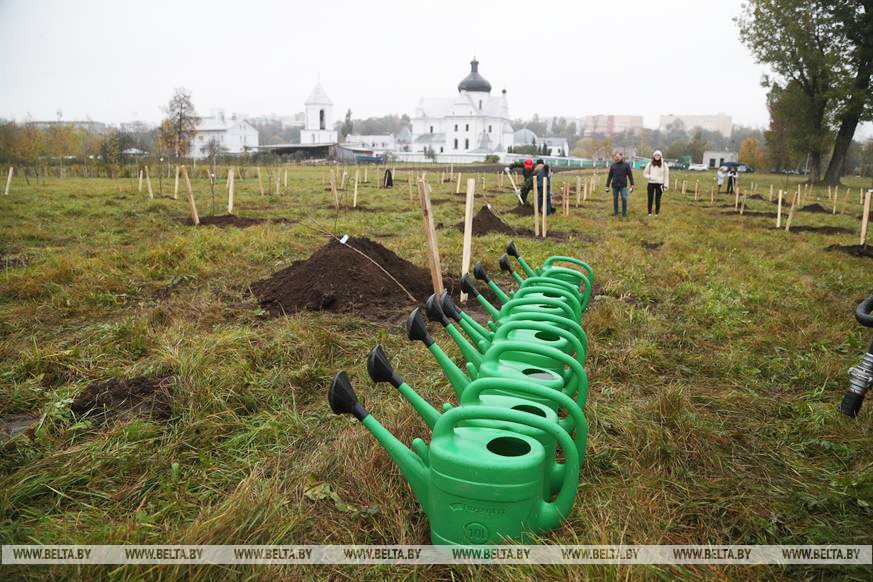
<point x="544" y="186"/>
<point x="619" y="175"/>
<point x="527" y="172"/>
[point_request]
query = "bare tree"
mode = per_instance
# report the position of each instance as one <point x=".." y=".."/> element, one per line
<point x="180" y="126"/>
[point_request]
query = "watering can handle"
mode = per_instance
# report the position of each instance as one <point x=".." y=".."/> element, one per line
<point x="567" y="494"/>
<point x="864" y="312"/>
<point x="580" y="423"/>
<point x="515" y="346"/>
<point x="561" y="259"/>
<point x="586" y="294"/>
<point x="541" y="280"/>
<point x="521" y="301"/>
<point x="553" y="319"/>
<point x="571" y="297"/>
<point x="509" y="326"/>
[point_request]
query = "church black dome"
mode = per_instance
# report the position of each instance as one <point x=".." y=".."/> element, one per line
<point x="474" y="81"/>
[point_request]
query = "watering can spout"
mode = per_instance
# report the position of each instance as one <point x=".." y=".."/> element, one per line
<point x="416" y="329"/>
<point x="482" y="275"/>
<point x="380" y="370"/>
<point x="343" y="400"/>
<point x="434" y="311"/>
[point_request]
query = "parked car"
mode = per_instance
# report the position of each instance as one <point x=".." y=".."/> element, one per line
<point x="697" y="168"/>
<point x="738" y="166"/>
<point x="677" y="166"/>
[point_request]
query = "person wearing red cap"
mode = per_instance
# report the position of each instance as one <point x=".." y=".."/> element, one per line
<point x="527" y="172"/>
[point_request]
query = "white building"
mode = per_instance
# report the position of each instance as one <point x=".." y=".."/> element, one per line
<point x="376" y="142"/>
<point x="721" y="123"/>
<point x="611" y="124"/>
<point x="714" y="159"/>
<point x="473" y="122"/>
<point x="318" y="128"/>
<point x="231" y="136"/>
<point x="558" y="146"/>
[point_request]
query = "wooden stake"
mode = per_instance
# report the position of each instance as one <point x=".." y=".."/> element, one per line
<point x="545" y="206"/>
<point x="333" y="189"/>
<point x="566" y="199"/>
<point x="458" y="187"/>
<point x="743" y="204"/>
<point x="834" y="201"/>
<point x="409" y="179"/>
<point x="865" y="217"/>
<point x="140" y="181"/>
<point x="794" y="203"/>
<point x="285" y="180"/>
<point x="343" y="181"/>
<point x="195" y="218"/>
<point x="468" y="232"/>
<point x="8" y="181"/>
<point x="149" y="184"/>
<point x="779" y="211"/>
<point x="176" y="185"/>
<point x="711" y="195"/>
<point x="536" y="203"/>
<point x="433" y="253"/>
<point x="696" y="190"/>
<point x="578" y="190"/>
<point x="230" y="191"/>
<point x="355" y="195"/>
<point x="277" y="182"/>
<point x="736" y="196"/>
<point x="770" y="199"/>
<point x="260" y="183"/>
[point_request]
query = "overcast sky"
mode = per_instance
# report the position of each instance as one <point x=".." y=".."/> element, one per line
<point x="119" y="61"/>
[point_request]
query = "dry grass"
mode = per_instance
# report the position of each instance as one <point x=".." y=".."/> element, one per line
<point x="716" y="364"/>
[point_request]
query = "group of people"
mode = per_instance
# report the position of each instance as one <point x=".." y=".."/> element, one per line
<point x="620" y="179"/>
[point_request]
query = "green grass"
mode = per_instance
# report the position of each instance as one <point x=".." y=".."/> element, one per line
<point x="716" y="365"/>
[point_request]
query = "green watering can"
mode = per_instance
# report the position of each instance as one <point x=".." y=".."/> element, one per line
<point x="477" y="485"/>
<point x="557" y="317"/>
<point x="380" y="370"/>
<point x="507" y="359"/>
<point x="476" y="332"/>
<point x="512" y="251"/>
<point x="548" y="279"/>
<point x="525" y="326"/>
<point x="543" y="288"/>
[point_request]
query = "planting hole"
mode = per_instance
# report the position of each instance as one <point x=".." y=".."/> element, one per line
<point x="530" y="409"/>
<point x="509" y="447"/>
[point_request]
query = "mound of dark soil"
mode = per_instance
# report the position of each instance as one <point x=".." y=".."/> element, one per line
<point x="485" y="222"/>
<point x="336" y="278"/>
<point x="816" y="207"/>
<point x="140" y="396"/>
<point x="651" y="246"/>
<point x="519" y="210"/>
<point x="755" y="197"/>
<point x="231" y="221"/>
<point x="854" y="250"/>
<point x="823" y="229"/>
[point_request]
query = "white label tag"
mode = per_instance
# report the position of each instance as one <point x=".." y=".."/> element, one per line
<point x="344" y="239"/>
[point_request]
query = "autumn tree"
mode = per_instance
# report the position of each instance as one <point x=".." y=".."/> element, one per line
<point x="179" y="128"/>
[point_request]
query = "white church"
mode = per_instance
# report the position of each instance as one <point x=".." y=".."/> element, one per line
<point x="473" y="122"/>
<point x="318" y="128"/>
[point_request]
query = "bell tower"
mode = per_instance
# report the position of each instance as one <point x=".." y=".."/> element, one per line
<point x="319" y="118"/>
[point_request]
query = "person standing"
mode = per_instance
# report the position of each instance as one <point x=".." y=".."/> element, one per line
<point x="719" y="180"/>
<point x="731" y="180"/>
<point x="543" y="177"/>
<point x="619" y="176"/>
<point x="658" y="175"/>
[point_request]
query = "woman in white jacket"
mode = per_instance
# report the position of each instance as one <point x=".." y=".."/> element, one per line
<point x="658" y="175"/>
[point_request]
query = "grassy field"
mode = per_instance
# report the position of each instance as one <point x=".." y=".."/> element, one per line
<point x="717" y="361"/>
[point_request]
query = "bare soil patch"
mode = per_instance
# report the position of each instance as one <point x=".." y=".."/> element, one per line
<point x="125" y="398"/>
<point x="854" y="250"/>
<point x="231" y="221"/>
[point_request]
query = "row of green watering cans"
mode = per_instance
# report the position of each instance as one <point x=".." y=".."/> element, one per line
<point x="493" y="470"/>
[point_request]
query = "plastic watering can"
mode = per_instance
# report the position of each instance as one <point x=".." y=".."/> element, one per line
<point x="380" y="370"/>
<point x="477" y="485"/>
<point x="507" y="268"/>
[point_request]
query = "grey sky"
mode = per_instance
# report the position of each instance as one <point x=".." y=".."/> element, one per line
<point x="117" y="61"/>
